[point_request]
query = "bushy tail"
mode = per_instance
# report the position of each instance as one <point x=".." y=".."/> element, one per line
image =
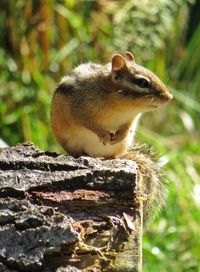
<point x="152" y="179"/>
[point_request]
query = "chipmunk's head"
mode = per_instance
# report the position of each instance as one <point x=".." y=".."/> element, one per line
<point x="137" y="84"/>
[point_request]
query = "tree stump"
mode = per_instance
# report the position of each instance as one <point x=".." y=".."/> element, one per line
<point x="58" y="213"/>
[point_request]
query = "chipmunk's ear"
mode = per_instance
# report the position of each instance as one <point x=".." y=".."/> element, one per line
<point x="129" y="56"/>
<point x="118" y="63"/>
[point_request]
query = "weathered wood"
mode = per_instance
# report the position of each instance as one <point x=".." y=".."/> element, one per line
<point x="58" y="213"/>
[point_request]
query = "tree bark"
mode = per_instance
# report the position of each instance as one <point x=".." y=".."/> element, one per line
<point x="58" y="213"/>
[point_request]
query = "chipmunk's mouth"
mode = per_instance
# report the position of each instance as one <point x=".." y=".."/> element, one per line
<point x="153" y="106"/>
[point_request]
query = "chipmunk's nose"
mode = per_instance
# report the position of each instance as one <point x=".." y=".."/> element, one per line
<point x="170" y="96"/>
<point x="166" y="96"/>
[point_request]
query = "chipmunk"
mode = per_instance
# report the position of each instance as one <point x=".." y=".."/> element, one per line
<point x="96" y="108"/>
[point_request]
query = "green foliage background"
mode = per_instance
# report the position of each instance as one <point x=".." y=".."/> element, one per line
<point x="41" y="40"/>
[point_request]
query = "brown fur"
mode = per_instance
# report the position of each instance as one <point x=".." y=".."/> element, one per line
<point x="95" y="106"/>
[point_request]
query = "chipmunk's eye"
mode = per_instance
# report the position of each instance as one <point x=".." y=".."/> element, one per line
<point x="143" y="83"/>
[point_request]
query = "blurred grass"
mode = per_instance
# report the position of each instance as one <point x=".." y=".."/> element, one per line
<point x="41" y="40"/>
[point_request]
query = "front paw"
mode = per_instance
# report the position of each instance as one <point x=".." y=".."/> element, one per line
<point x="105" y="137"/>
<point x="115" y="138"/>
<point x="119" y="136"/>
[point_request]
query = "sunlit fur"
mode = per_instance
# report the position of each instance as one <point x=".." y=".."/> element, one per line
<point x="90" y="99"/>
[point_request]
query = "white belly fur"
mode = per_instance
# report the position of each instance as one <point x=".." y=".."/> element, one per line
<point x="118" y="119"/>
<point x="83" y="140"/>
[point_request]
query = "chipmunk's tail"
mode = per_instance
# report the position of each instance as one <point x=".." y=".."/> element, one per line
<point x="154" y="185"/>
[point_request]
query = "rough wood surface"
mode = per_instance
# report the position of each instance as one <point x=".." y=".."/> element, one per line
<point x="58" y="213"/>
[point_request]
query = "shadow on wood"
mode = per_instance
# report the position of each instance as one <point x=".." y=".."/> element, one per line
<point x="58" y="213"/>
